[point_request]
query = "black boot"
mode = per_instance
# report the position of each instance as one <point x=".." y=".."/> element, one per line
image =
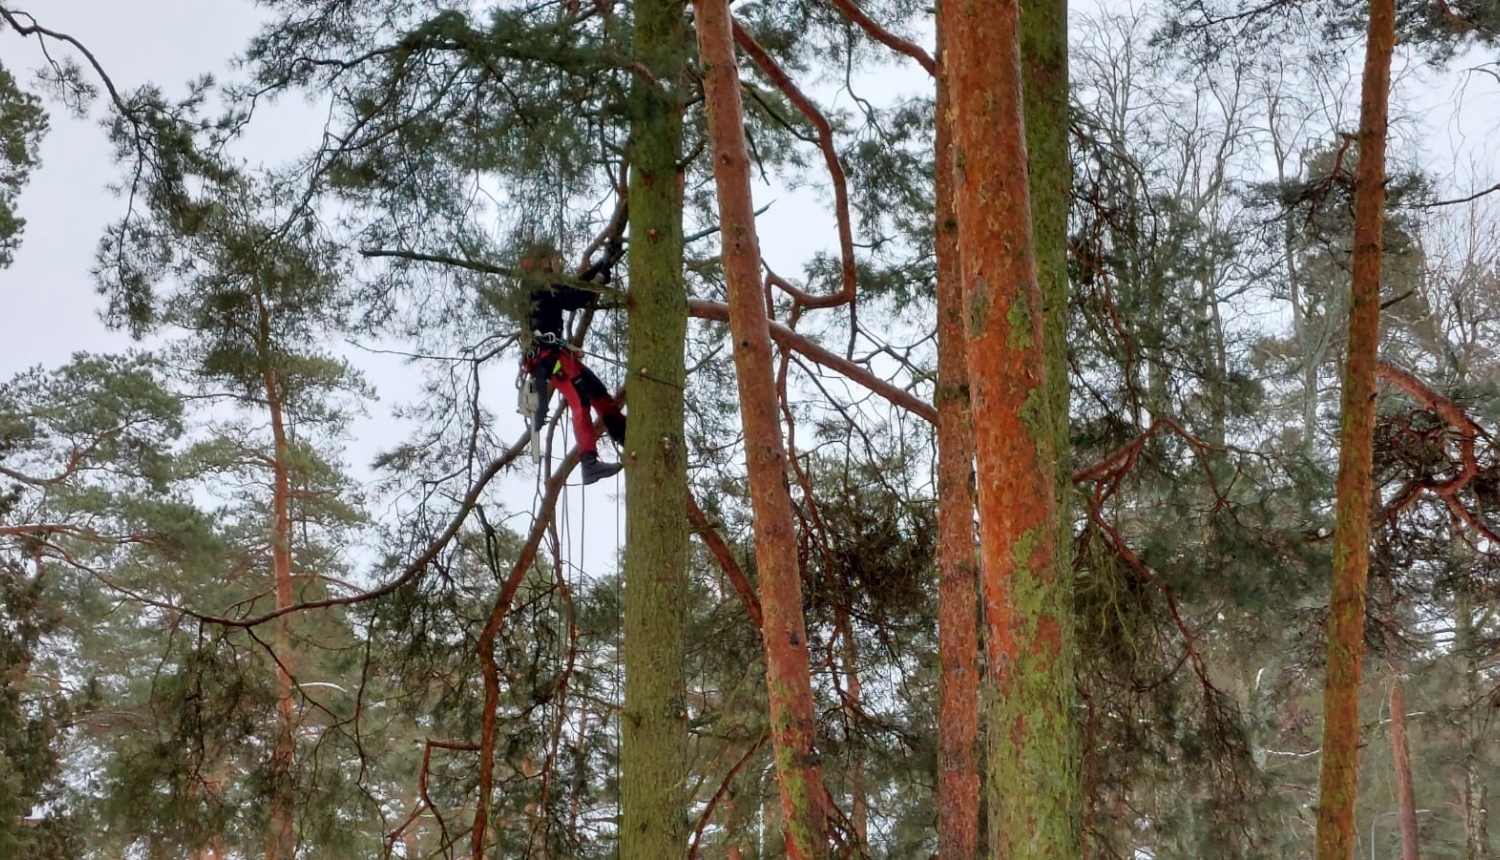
<point x="615" y="425"/>
<point x="593" y="470"/>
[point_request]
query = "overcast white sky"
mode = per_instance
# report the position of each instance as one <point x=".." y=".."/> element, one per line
<point x="50" y="308"/>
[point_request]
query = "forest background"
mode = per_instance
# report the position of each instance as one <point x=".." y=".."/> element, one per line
<point x="235" y="460"/>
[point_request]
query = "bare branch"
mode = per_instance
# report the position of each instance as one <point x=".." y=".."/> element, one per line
<point x="886" y="37"/>
<point x="708" y="810"/>
<point x="440" y="259"/>
<point x="726" y="560"/>
<point x="13" y="18"/>
<point x="815" y="116"/>
<point x="1457" y="200"/>
<point x="788" y="339"/>
<point x="488" y="667"/>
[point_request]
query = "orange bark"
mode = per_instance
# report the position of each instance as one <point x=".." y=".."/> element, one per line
<point x="789" y="686"/>
<point x="1351" y="536"/>
<point x="958" y="583"/>
<point x="1032" y="757"/>
<point x="1401" y="754"/>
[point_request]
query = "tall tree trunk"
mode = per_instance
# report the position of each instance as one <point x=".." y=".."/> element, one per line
<point x="1044" y="71"/>
<point x="1401" y="754"/>
<point x="1031" y="779"/>
<point x="653" y="754"/>
<point x="958" y="569"/>
<point x="280" y="838"/>
<point x="1476" y="839"/>
<point x="789" y="685"/>
<point x="1351" y="535"/>
<point x="1044" y="82"/>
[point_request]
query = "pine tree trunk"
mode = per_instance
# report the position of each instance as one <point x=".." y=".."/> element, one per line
<point x="1476" y="840"/>
<point x="280" y="836"/>
<point x="653" y="755"/>
<point x="1044" y="58"/>
<point x="788" y="683"/>
<point x="1401" y="754"/>
<point x="958" y="574"/>
<point x="1351" y="537"/>
<point x="859" y="802"/>
<point x="1044" y="81"/>
<point x="1482" y="827"/>
<point x="1032" y="773"/>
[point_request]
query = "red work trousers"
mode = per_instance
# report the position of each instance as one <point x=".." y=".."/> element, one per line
<point x="579" y="386"/>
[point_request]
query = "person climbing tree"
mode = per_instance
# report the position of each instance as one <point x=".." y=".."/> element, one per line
<point x="549" y="356"/>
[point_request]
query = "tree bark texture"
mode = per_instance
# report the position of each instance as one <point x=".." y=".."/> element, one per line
<point x="1351" y="534"/>
<point x="653" y="755"/>
<point x="958" y="568"/>
<point x="1044" y="83"/>
<point x="1406" y="802"/>
<point x="1031" y="778"/>
<point x="1044" y="78"/>
<point x="789" y="686"/>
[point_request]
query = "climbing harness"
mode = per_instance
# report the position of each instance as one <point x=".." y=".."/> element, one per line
<point x="532" y="382"/>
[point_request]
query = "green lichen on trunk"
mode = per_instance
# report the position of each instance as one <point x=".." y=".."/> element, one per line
<point x="1032" y="791"/>
<point x="1044" y="81"/>
<point x="654" y="725"/>
<point x="1019" y="318"/>
<point x="979" y="307"/>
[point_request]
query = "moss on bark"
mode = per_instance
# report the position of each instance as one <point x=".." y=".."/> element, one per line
<point x="654" y="725"/>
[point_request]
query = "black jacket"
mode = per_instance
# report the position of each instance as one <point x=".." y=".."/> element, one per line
<point x="550" y="302"/>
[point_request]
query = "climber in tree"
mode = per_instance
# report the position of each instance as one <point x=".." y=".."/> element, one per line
<point x="549" y="357"/>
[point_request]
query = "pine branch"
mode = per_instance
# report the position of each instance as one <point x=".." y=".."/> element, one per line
<point x="886" y="37"/>
<point x="489" y="668"/>
<point x="722" y="554"/>
<point x="708" y="810"/>
<point x="810" y="111"/>
<point x="789" y="339"/>
<point x="410" y="572"/>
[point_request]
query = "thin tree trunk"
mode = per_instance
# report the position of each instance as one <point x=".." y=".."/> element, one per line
<point x="1031" y="778"/>
<point x="1351" y="537"/>
<point x="958" y="573"/>
<point x="1482" y="828"/>
<point x="489" y="668"/>
<point x="859" y="802"/>
<point x="1476" y="840"/>
<point x="281" y="842"/>
<point x="789" y="685"/>
<point x="653" y="754"/>
<point x="1401" y="754"/>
